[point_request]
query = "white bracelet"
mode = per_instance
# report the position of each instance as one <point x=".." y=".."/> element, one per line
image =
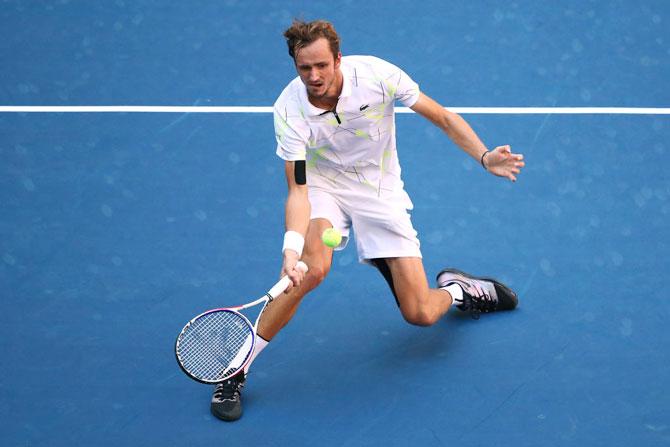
<point x="293" y="241"/>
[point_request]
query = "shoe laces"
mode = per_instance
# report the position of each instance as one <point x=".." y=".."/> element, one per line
<point x="477" y="299"/>
<point x="229" y="390"/>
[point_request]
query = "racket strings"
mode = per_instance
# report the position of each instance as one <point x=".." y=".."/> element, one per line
<point x="215" y="345"/>
<point x="210" y="349"/>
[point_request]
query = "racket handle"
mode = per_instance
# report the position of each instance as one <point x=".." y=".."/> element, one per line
<point x="283" y="283"/>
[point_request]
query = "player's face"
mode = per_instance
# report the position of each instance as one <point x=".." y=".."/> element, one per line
<point x="318" y="69"/>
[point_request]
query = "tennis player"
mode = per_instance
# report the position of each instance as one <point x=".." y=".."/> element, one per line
<point x="335" y="131"/>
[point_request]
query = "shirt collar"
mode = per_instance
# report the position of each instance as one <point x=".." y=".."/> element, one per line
<point x="311" y="109"/>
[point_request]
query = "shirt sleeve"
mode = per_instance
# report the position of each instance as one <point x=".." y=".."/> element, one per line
<point x="291" y="141"/>
<point x="398" y="84"/>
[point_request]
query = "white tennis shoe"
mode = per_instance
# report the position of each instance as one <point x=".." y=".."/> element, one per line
<point x="480" y="295"/>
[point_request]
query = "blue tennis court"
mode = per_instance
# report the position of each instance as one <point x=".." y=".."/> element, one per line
<point x="116" y="228"/>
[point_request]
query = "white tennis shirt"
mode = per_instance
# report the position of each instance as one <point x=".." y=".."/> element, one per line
<point x="352" y="147"/>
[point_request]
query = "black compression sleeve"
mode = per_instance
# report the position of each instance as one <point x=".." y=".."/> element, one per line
<point x="300" y="172"/>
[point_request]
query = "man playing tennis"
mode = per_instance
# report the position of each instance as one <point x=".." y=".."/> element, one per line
<point x="335" y="131"/>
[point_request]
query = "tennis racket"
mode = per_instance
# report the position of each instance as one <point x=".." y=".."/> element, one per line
<point x="218" y="344"/>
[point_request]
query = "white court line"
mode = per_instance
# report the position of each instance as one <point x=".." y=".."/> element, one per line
<point x="264" y="109"/>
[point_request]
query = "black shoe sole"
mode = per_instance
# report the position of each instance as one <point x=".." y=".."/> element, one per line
<point x="507" y="298"/>
<point x="228" y="417"/>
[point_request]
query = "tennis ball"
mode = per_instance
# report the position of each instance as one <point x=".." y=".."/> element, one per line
<point x="331" y="237"/>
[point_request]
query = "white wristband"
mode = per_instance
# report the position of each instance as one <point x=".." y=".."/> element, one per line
<point x="293" y="241"/>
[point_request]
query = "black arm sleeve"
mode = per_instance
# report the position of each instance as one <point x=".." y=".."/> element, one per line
<point x="300" y="172"/>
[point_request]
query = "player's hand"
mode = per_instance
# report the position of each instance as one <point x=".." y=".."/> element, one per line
<point x="503" y="163"/>
<point x="289" y="269"/>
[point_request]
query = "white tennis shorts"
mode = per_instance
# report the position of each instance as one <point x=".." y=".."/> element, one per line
<point x="382" y="225"/>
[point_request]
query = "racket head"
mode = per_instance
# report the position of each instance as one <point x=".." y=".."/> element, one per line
<point x="215" y="345"/>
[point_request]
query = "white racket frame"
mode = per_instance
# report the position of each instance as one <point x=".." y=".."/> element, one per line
<point x="272" y="294"/>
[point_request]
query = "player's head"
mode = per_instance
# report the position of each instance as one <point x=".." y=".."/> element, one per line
<point x="300" y="34"/>
<point x="315" y="49"/>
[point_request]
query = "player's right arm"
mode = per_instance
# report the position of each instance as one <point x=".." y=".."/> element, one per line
<point x="292" y="135"/>
<point x="297" y="217"/>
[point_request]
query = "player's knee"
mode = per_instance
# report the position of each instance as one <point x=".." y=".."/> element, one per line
<point x="419" y="318"/>
<point x="315" y="275"/>
<point x="418" y="314"/>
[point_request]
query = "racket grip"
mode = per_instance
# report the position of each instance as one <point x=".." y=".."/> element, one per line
<point x="283" y="283"/>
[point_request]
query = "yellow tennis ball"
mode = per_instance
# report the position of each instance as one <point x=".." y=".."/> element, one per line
<point x="331" y="237"/>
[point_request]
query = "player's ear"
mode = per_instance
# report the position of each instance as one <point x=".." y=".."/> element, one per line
<point x="338" y="59"/>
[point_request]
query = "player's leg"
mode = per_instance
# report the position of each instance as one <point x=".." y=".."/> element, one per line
<point x="386" y="238"/>
<point x="326" y="212"/>
<point x="318" y="257"/>
<point x="419" y="304"/>
<point x="226" y="403"/>
<point x="424" y="306"/>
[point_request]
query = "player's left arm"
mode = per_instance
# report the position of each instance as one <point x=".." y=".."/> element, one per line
<point x="500" y="161"/>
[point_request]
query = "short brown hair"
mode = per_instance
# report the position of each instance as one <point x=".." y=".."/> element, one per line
<point x="300" y="34"/>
